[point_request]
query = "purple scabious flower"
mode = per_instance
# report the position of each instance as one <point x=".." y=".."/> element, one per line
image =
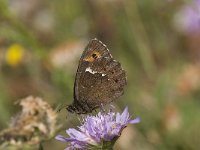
<point x="100" y="131"/>
<point x="187" y="19"/>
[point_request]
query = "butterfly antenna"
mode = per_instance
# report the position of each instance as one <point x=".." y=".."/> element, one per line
<point x="60" y="107"/>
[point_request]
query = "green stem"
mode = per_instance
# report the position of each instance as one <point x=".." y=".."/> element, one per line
<point x="141" y="38"/>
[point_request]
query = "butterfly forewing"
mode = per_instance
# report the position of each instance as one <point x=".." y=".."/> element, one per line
<point x="99" y="79"/>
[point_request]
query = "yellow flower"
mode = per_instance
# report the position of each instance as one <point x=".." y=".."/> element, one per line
<point x="14" y="54"/>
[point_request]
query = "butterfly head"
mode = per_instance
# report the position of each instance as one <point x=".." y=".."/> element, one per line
<point x="77" y="109"/>
<point x="71" y="109"/>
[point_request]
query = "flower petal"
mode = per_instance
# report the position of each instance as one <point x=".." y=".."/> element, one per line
<point x="95" y="129"/>
<point x="136" y="120"/>
<point x="61" y="138"/>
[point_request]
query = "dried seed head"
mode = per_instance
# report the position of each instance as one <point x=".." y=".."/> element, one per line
<point x="36" y="122"/>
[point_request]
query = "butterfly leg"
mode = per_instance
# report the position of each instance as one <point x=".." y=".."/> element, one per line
<point x="80" y="117"/>
<point x="102" y="108"/>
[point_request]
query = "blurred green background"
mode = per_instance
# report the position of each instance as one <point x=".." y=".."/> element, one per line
<point x="41" y="43"/>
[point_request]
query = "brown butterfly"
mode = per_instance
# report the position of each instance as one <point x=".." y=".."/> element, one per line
<point x="99" y="79"/>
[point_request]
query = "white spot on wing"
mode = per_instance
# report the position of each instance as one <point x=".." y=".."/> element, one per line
<point x="104" y="45"/>
<point x="90" y="70"/>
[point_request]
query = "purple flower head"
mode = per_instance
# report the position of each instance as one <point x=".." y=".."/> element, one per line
<point x="188" y="18"/>
<point x="96" y="130"/>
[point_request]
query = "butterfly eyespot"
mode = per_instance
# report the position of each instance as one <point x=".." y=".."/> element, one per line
<point x="94" y="56"/>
